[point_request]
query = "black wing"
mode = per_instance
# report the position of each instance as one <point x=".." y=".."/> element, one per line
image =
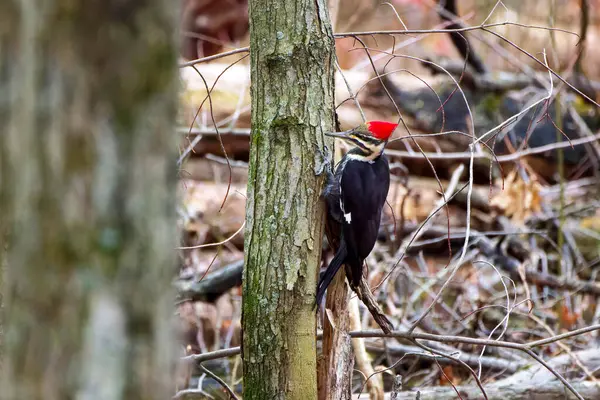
<point x="364" y="188"/>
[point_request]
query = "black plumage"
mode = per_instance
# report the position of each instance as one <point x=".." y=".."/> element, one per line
<point x="355" y="196"/>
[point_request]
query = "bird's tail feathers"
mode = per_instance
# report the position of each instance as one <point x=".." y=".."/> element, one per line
<point x="332" y="269"/>
<point x="356" y="267"/>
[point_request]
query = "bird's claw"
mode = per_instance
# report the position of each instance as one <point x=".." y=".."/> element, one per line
<point x="323" y="161"/>
<point x="324" y="164"/>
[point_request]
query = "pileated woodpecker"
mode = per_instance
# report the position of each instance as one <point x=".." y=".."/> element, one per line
<point x="355" y="197"/>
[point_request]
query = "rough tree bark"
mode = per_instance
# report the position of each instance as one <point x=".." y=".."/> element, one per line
<point x="292" y="65"/>
<point x="337" y="361"/>
<point x="87" y="181"/>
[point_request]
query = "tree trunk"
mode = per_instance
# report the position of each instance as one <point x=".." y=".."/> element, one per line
<point x="292" y="65"/>
<point x="3" y="251"/>
<point x="87" y="190"/>
<point x="337" y="361"/>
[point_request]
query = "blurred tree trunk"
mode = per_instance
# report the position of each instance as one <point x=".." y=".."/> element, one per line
<point x="292" y="66"/>
<point x="87" y="186"/>
<point x="3" y="251"/>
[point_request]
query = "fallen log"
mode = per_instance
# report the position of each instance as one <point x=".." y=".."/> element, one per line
<point x="213" y="285"/>
<point x="534" y="382"/>
<point x="553" y="391"/>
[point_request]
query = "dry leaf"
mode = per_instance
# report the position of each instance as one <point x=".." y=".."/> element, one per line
<point x="519" y="200"/>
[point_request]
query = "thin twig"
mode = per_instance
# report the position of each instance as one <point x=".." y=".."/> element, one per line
<point x="545" y="66"/>
<point x="215" y="57"/>
<point x="220" y="381"/>
<point x="474" y="341"/>
<point x="503" y="159"/>
<point x="213" y="355"/>
<point x="406" y="244"/>
<point x="457" y="360"/>
<point x="201" y="246"/>
<point x="349" y="88"/>
<point x="446" y="31"/>
<point x="554" y="372"/>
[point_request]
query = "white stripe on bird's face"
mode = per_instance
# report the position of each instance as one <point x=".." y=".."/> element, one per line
<point x="367" y="152"/>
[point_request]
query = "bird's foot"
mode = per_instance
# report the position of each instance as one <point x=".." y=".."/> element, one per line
<point x="323" y="162"/>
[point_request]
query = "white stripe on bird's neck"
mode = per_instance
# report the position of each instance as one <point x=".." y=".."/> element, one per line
<point x="374" y="151"/>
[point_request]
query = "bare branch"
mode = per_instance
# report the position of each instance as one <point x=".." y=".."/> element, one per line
<point x="419" y="336"/>
<point x="446" y="31"/>
<point x="215" y="57"/>
<point x="504" y="158"/>
<point x="201" y="246"/>
<point x="220" y="381"/>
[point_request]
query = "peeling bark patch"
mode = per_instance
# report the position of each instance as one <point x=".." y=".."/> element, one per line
<point x="293" y="268"/>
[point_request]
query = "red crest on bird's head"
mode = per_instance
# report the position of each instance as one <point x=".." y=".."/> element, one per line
<point x="381" y="129"/>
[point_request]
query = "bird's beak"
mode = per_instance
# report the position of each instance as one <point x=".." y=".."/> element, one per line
<point x="340" y="135"/>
